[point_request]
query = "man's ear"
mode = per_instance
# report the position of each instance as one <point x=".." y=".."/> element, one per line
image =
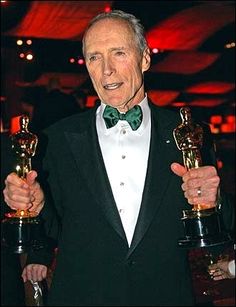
<point x="146" y="59"/>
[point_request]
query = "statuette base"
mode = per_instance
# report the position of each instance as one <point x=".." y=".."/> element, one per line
<point x="21" y="235"/>
<point x="203" y="228"/>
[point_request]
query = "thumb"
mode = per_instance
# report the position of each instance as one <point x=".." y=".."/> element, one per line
<point x="178" y="169"/>
<point x="23" y="275"/>
<point x="30" y="177"/>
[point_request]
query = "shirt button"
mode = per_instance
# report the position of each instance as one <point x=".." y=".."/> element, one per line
<point x="121" y="211"/>
<point x="123" y="156"/>
<point x="123" y="131"/>
<point x="122" y="184"/>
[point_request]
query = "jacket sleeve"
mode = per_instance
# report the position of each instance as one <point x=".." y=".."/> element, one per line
<point x="44" y="255"/>
<point x="225" y="202"/>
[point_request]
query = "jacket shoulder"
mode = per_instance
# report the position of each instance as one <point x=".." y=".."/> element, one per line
<point x="165" y="115"/>
<point x="74" y="123"/>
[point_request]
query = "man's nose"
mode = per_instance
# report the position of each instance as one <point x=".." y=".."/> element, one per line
<point x="108" y="67"/>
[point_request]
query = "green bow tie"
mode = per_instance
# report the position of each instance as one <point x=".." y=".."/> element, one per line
<point x="133" y="117"/>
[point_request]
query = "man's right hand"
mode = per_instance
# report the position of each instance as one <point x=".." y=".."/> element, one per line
<point x="34" y="272"/>
<point x="23" y="194"/>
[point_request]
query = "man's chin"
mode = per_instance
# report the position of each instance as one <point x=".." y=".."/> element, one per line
<point x="115" y="102"/>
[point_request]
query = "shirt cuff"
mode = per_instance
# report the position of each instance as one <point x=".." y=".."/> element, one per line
<point x="231" y="267"/>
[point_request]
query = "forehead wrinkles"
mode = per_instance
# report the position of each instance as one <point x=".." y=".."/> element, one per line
<point x="103" y="30"/>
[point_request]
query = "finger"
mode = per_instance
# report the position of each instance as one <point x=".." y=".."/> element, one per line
<point x="40" y="272"/>
<point x="13" y="179"/>
<point x="31" y="177"/>
<point x="44" y="273"/>
<point x="29" y="272"/>
<point x="16" y="189"/>
<point x="217" y="272"/>
<point x="38" y="196"/>
<point x="208" y="200"/>
<point x="218" y="275"/>
<point x="205" y="202"/>
<point x="218" y="278"/>
<point x="23" y="275"/>
<point x="178" y="169"/>
<point x="17" y="200"/>
<point x="205" y="184"/>
<point x="200" y="172"/>
<point x="16" y="204"/>
<point x="34" y="274"/>
<point x="223" y="265"/>
<point x="18" y="195"/>
<point x="213" y="266"/>
<point x="201" y="193"/>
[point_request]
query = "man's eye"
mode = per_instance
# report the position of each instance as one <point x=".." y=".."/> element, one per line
<point x="93" y="58"/>
<point x="119" y="53"/>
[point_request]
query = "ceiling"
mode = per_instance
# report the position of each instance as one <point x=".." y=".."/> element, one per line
<point x="192" y="65"/>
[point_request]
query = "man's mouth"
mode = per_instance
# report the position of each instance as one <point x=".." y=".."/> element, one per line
<point x="112" y="86"/>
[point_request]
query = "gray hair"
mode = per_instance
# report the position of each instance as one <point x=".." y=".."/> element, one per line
<point x="133" y="22"/>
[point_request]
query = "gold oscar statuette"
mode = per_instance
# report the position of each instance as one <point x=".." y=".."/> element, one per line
<point x="22" y="228"/>
<point x="203" y="224"/>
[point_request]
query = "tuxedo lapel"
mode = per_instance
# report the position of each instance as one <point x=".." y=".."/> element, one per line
<point x="158" y="176"/>
<point x="86" y="151"/>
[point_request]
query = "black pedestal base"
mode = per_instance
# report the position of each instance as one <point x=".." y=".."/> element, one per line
<point x="221" y="239"/>
<point x="203" y="228"/>
<point x="20" y="235"/>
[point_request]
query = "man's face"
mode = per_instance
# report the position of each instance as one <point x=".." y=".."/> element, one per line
<point x="115" y="64"/>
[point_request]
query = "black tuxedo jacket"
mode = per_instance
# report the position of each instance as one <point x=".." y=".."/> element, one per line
<point x="95" y="266"/>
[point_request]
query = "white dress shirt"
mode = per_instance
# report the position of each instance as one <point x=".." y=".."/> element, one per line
<point x="125" y="154"/>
